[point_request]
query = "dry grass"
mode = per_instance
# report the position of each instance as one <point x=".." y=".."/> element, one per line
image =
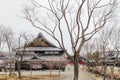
<point x="108" y="72"/>
<point x="96" y="78"/>
<point x="27" y="77"/>
<point x="7" y="77"/>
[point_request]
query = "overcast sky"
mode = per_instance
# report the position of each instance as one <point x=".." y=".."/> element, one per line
<point x="11" y="15"/>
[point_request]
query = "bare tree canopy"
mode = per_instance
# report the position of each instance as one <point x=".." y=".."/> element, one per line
<point x="70" y="21"/>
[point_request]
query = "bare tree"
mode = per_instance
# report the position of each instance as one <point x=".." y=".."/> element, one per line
<point x="115" y="42"/>
<point x="104" y="48"/>
<point x="87" y="50"/>
<point x="23" y="40"/>
<point x="96" y="57"/>
<point x="73" y="21"/>
<point x="60" y="63"/>
<point x="1" y="44"/>
<point x="1" y="37"/>
<point x="17" y="59"/>
<point x="9" y="40"/>
<point x="50" y="64"/>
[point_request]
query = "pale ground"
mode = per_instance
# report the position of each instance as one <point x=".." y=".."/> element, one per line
<point x="66" y="75"/>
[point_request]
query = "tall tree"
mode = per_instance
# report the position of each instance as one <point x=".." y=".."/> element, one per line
<point x="1" y="38"/>
<point x="104" y="43"/>
<point x="115" y="42"/>
<point x="73" y="21"/>
<point x="23" y="40"/>
<point x="9" y="40"/>
<point x="87" y="50"/>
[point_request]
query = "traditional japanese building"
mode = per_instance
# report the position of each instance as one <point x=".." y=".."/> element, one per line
<point x="2" y="60"/>
<point x="40" y="51"/>
<point x="6" y="61"/>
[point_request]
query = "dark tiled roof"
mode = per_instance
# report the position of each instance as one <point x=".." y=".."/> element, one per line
<point x="39" y="44"/>
<point x="43" y="58"/>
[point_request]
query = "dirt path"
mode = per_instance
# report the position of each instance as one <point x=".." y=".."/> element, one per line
<point x="68" y="75"/>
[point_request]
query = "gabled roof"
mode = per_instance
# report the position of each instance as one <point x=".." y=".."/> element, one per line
<point x="40" y="41"/>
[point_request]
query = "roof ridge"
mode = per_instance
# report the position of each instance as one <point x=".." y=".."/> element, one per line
<point x="40" y="41"/>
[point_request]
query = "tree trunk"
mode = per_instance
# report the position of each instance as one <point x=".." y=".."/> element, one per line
<point x="5" y="72"/>
<point x="10" y="74"/>
<point x="11" y="60"/>
<point x="59" y="70"/>
<point x="112" y="71"/>
<point x="76" y="66"/>
<point x="50" y="72"/>
<point x="18" y="68"/>
<point x="31" y="72"/>
<point x="105" y="68"/>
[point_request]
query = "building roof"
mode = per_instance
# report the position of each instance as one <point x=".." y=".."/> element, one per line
<point x="48" y="58"/>
<point x="35" y="57"/>
<point x="30" y="49"/>
<point x="40" y="41"/>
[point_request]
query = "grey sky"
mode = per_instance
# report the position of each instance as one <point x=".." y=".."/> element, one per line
<point x="10" y="15"/>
